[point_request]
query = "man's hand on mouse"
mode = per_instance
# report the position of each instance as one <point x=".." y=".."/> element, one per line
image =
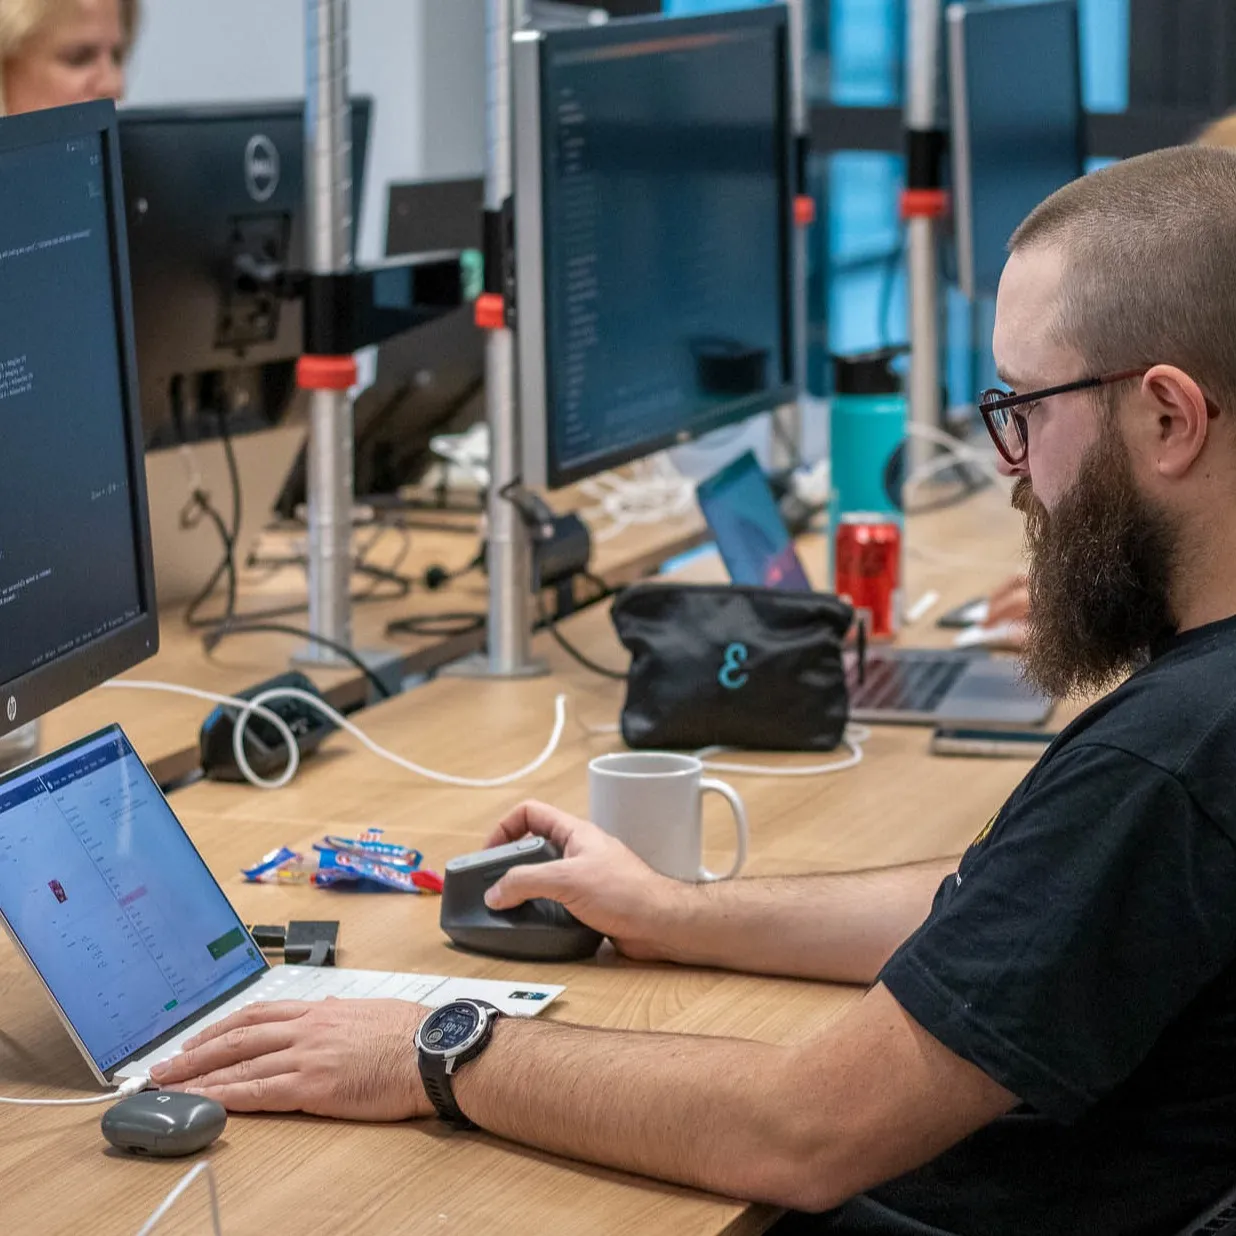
<point x="598" y="879"/>
<point x="351" y="1059"/>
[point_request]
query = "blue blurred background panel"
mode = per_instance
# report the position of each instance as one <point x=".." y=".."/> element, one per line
<point x="856" y="271"/>
<point x="857" y="279"/>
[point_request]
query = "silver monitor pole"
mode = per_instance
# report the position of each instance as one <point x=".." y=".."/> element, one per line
<point x="787" y="420"/>
<point x="923" y="205"/>
<point x="328" y="187"/>
<point x="508" y="551"/>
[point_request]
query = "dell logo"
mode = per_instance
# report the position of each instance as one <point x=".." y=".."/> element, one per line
<point x="261" y="168"/>
<point x="11" y="710"/>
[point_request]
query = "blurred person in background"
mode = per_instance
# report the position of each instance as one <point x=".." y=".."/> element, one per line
<point x="57" y="52"/>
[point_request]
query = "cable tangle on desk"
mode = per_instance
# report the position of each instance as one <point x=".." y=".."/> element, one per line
<point x="257" y="706"/>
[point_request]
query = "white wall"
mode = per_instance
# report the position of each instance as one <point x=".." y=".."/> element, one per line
<point x="421" y="60"/>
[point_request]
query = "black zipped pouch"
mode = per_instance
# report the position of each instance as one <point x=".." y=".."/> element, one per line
<point x="720" y="665"/>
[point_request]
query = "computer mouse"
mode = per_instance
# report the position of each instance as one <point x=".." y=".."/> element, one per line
<point x="538" y="930"/>
<point x="164" y="1123"/>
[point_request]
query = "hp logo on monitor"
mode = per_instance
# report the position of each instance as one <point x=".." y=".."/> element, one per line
<point x="261" y="168"/>
<point x="11" y="709"/>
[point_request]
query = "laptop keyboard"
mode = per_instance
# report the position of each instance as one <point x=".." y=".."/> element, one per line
<point x="905" y="685"/>
<point x="301" y="983"/>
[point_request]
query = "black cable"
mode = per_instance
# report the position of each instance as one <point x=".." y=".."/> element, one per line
<point x="520" y="500"/>
<point x="603" y="589"/>
<point x="228" y="564"/>
<point x="441" y="626"/>
<point x="211" y="641"/>
<point x="201" y="500"/>
<point x="404" y="582"/>
<point x="551" y="625"/>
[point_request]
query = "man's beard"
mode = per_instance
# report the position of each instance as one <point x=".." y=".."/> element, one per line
<point x="1099" y="574"/>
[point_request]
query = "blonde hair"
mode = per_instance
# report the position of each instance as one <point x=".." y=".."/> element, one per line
<point x="20" y="20"/>
<point x="1221" y="132"/>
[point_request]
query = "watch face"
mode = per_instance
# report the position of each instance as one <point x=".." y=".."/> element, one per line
<point x="450" y="1027"/>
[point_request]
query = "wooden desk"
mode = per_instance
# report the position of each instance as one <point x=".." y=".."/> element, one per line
<point x="280" y="1174"/>
<point x="165" y="727"/>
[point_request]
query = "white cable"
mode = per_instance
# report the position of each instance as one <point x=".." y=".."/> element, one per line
<point x="958" y="450"/>
<point x="213" y="697"/>
<point x="199" y="1169"/>
<point x="132" y="1086"/>
<point x="467" y="783"/>
<point x="854" y="737"/>
<point x="254" y="707"/>
<point x="654" y="491"/>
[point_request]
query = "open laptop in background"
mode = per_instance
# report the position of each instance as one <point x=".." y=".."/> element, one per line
<point x="114" y="909"/>
<point x="185" y="557"/>
<point x="908" y="685"/>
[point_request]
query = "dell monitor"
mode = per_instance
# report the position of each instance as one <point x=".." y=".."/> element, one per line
<point x="76" y="593"/>
<point x="654" y="215"/>
<point x="1017" y="123"/>
<point x="215" y="200"/>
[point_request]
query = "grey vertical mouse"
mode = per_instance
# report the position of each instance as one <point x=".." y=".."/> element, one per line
<point x="164" y="1123"/>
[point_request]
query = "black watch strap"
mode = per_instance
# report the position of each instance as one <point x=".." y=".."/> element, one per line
<point x="437" y="1083"/>
<point x="437" y="1071"/>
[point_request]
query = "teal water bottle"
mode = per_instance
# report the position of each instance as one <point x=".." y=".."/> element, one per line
<point x="867" y="430"/>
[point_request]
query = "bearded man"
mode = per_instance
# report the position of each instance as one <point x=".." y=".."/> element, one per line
<point x="1048" y="1042"/>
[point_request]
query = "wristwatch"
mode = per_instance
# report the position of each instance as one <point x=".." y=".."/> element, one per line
<point x="448" y="1037"/>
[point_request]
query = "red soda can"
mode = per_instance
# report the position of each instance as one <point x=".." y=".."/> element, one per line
<point x="868" y="571"/>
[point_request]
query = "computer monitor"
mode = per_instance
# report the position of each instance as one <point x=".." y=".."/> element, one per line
<point x="215" y="200"/>
<point x="654" y="203"/>
<point x="76" y="593"/>
<point x="1017" y="123"/>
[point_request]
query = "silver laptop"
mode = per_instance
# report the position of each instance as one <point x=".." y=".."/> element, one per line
<point x="111" y="905"/>
<point x="185" y="557"/>
<point x="913" y="686"/>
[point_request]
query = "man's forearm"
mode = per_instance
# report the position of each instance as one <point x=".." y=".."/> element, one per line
<point x="840" y="928"/>
<point x="636" y="1102"/>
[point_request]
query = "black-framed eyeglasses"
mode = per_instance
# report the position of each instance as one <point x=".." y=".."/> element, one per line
<point x="1007" y="426"/>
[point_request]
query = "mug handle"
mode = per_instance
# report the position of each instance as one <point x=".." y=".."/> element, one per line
<point x="740" y="823"/>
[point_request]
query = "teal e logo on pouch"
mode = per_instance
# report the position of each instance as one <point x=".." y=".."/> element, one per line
<point x="732" y="676"/>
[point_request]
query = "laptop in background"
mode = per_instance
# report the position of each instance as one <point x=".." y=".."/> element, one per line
<point x="916" y="686"/>
<point x="138" y="947"/>
<point x="746" y="523"/>
<point x="185" y="557"/>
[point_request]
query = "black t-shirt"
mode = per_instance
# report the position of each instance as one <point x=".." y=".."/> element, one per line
<point x="1084" y="956"/>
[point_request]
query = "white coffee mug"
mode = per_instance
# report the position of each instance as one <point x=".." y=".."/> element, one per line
<point x="651" y="803"/>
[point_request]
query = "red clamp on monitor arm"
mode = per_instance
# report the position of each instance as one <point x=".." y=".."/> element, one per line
<point x="490" y="311"/>
<point x="326" y="373"/>
<point x="804" y="210"/>
<point x="924" y="204"/>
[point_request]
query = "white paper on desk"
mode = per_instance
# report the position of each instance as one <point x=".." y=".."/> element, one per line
<point x="516" y="999"/>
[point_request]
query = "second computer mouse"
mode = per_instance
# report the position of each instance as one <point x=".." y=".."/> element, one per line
<point x="164" y="1123"/>
<point x="538" y="930"/>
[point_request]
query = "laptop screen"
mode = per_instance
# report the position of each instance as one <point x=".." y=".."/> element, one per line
<point x="746" y="523"/>
<point x="110" y="900"/>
